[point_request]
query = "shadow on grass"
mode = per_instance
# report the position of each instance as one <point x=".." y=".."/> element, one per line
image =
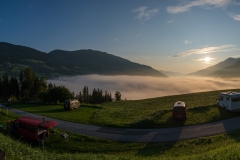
<point x="170" y="122"/>
<point x="155" y="149"/>
<point x="90" y="106"/>
<point x="199" y="109"/>
<point x="227" y="114"/>
<point x="150" y="121"/>
<point x="58" y="110"/>
<point x="233" y="126"/>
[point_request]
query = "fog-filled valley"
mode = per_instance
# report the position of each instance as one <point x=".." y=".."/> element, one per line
<point x="143" y="87"/>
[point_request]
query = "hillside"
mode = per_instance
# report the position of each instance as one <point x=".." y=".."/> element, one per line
<point x="207" y="72"/>
<point x="96" y="62"/>
<point x="172" y="74"/>
<point x="64" y="63"/>
<point x="228" y="72"/>
<point x="15" y="58"/>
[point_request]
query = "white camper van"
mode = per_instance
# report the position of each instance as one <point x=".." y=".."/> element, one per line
<point x="229" y="100"/>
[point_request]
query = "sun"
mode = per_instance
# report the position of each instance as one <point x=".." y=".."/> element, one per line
<point x="207" y="59"/>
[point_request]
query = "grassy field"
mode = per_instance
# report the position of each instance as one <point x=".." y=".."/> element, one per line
<point x="223" y="146"/>
<point x="148" y="113"/>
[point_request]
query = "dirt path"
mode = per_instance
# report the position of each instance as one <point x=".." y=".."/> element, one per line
<point x="143" y="135"/>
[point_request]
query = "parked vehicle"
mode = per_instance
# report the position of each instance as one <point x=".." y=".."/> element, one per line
<point x="29" y="128"/>
<point x="179" y="110"/>
<point x="229" y="101"/>
<point x="70" y="104"/>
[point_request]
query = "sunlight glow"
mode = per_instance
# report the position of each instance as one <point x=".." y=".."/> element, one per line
<point x="207" y="59"/>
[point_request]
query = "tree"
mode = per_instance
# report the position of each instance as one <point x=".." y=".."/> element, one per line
<point x="14" y="87"/>
<point x="5" y="84"/>
<point x="27" y="87"/>
<point x="85" y="94"/>
<point x="57" y="93"/>
<point x="117" y="96"/>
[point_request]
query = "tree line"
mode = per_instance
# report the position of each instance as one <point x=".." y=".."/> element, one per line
<point x="29" y="87"/>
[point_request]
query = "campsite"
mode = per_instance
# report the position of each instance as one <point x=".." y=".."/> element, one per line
<point x="141" y="150"/>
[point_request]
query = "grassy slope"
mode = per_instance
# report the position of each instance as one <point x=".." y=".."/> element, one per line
<point x="224" y="146"/>
<point x="148" y="113"/>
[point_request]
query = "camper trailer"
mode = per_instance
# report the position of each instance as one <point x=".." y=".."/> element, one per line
<point x="70" y="104"/>
<point x="229" y="101"/>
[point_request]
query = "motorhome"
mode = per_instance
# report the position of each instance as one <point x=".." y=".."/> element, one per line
<point x="179" y="110"/>
<point x="29" y="128"/>
<point x="229" y="100"/>
<point x="70" y="104"/>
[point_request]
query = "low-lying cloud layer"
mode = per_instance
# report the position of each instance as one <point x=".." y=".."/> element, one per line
<point x="141" y="87"/>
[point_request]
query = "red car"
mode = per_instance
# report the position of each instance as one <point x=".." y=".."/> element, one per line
<point x="179" y="110"/>
<point x="29" y="128"/>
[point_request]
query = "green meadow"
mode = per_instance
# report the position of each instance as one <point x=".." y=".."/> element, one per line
<point x="147" y="113"/>
<point x="157" y="113"/>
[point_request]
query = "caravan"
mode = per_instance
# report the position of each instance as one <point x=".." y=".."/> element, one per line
<point x="70" y="104"/>
<point x="229" y="101"/>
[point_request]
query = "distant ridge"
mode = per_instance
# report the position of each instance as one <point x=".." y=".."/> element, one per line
<point x="172" y="74"/>
<point x="232" y="71"/>
<point x="67" y="63"/>
<point x="215" y="68"/>
<point x="97" y="62"/>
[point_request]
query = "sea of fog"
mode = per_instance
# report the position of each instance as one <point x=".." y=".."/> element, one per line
<point x="142" y="87"/>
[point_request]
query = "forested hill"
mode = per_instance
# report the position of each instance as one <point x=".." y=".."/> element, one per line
<point x="14" y="58"/>
<point x="104" y="63"/>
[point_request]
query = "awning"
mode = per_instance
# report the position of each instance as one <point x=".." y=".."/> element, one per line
<point x="48" y="124"/>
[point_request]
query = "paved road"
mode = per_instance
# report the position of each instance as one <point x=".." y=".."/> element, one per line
<point x="143" y="135"/>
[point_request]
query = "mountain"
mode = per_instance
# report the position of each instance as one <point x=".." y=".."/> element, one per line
<point x="206" y="72"/>
<point x="15" y="58"/>
<point x="97" y="62"/>
<point x="172" y="74"/>
<point x="232" y="71"/>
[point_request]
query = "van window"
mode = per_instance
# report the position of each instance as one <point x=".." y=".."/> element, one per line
<point x="237" y="99"/>
<point x="31" y="129"/>
<point x="23" y="126"/>
<point x="220" y="98"/>
<point x="227" y="98"/>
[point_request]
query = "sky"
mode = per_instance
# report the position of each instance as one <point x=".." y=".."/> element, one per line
<point x="171" y="35"/>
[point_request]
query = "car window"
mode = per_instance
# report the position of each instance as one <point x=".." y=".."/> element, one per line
<point x="179" y="109"/>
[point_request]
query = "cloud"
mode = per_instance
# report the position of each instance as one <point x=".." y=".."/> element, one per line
<point x="236" y="56"/>
<point x="235" y="16"/>
<point x="141" y="87"/>
<point x="206" y="60"/>
<point x="144" y="13"/>
<point x="205" y="50"/>
<point x="187" y="42"/>
<point x="198" y="3"/>
<point x="170" y="21"/>
<point x="116" y="39"/>
<point x="139" y="35"/>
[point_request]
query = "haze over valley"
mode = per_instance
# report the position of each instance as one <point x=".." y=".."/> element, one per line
<point x="143" y="87"/>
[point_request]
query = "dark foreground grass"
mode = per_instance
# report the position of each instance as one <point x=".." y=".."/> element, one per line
<point x="224" y="146"/>
<point x="148" y="113"/>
